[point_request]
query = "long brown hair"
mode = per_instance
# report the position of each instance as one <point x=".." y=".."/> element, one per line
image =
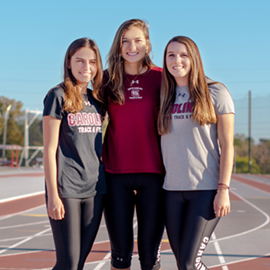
<point x="203" y="110"/>
<point x="73" y="99"/>
<point x="115" y="60"/>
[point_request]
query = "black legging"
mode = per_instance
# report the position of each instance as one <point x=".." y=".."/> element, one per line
<point x="74" y="235"/>
<point x="119" y="211"/>
<point x="190" y="221"/>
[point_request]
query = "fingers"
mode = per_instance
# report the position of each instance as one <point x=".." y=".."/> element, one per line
<point x="222" y="211"/>
<point x="57" y="213"/>
<point x="222" y="203"/>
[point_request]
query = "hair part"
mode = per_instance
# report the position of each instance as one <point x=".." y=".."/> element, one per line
<point x="203" y="109"/>
<point x="73" y="98"/>
<point x="115" y="60"/>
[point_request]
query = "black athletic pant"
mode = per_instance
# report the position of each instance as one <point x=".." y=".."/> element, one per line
<point x="74" y="235"/>
<point x="119" y="212"/>
<point x="190" y="221"/>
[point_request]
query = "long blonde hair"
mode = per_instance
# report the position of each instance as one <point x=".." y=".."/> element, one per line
<point x="73" y="99"/>
<point x="115" y="60"/>
<point x="203" y="110"/>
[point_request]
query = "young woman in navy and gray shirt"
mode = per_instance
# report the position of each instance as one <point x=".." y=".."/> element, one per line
<point x="74" y="172"/>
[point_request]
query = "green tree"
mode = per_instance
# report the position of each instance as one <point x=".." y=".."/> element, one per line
<point x="262" y="156"/>
<point x="241" y="145"/>
<point x="35" y="133"/>
<point x="242" y="165"/>
<point x="14" y="121"/>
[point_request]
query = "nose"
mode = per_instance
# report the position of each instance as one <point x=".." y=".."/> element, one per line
<point x="86" y="65"/>
<point x="132" y="45"/>
<point x="178" y="58"/>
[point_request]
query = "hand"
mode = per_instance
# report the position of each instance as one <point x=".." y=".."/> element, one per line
<point x="222" y="205"/>
<point x="55" y="208"/>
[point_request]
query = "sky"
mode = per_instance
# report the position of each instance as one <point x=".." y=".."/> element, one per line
<point x="233" y="37"/>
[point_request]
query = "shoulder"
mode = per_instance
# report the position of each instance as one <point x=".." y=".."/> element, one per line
<point x="56" y="93"/>
<point x="221" y="98"/>
<point x="156" y="70"/>
<point x="53" y="102"/>
<point x="219" y="91"/>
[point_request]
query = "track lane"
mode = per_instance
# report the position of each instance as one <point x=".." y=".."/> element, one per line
<point x="45" y="259"/>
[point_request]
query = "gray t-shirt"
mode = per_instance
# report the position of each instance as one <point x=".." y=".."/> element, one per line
<point x="80" y="171"/>
<point x="191" y="152"/>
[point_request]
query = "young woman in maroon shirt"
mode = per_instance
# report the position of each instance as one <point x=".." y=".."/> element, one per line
<point x="131" y="151"/>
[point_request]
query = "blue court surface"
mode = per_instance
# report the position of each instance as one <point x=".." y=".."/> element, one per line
<point x="240" y="241"/>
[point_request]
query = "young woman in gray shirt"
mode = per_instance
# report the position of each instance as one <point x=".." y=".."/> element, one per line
<point x="196" y="122"/>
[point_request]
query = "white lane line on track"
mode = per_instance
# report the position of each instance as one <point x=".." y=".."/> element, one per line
<point x="21" y="197"/>
<point x="219" y="252"/>
<point x="239" y="261"/>
<point x="23" y="225"/>
<point x="252" y="178"/>
<point x="22" y="237"/>
<point x="23" y="241"/>
<point x="18" y="213"/>
<point x="107" y="256"/>
<point x="251" y="230"/>
<point x="215" y="241"/>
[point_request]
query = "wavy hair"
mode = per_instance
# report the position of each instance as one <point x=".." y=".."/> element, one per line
<point x="203" y="110"/>
<point x="73" y="99"/>
<point x="115" y="60"/>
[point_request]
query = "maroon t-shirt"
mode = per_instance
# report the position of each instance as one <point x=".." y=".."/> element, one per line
<point x="132" y="143"/>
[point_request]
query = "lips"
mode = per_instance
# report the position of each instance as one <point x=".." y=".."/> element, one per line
<point x="132" y="54"/>
<point x="177" y="67"/>
<point x="85" y="74"/>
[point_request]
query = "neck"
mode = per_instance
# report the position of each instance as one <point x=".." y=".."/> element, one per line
<point x="83" y="88"/>
<point x="181" y="81"/>
<point x="133" y="68"/>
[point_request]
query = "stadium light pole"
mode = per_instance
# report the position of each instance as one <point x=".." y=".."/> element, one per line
<point x="5" y="129"/>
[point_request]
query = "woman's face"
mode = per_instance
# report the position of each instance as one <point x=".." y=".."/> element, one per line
<point x="178" y="62"/>
<point x="134" y="45"/>
<point x="83" y="66"/>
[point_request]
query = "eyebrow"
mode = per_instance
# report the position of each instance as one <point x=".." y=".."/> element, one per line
<point x="85" y="59"/>
<point x="132" y="38"/>
<point x="174" y="52"/>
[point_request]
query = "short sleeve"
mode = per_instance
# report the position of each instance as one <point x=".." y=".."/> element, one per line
<point x="222" y="99"/>
<point x="53" y="103"/>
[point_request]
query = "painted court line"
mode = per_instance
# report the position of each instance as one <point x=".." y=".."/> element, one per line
<point x="19" y="213"/>
<point x="23" y="225"/>
<point x="219" y="252"/>
<point x="251" y="230"/>
<point x="21" y="197"/>
<point x="25" y="240"/>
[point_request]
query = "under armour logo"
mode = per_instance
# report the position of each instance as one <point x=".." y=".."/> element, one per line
<point x="181" y="95"/>
<point x="87" y="103"/>
<point x="132" y="82"/>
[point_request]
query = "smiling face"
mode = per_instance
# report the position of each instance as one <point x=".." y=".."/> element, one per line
<point x="178" y="62"/>
<point x="134" y="46"/>
<point x="83" y="66"/>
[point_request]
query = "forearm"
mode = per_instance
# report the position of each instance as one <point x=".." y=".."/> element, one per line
<point x="51" y="131"/>
<point x="50" y="170"/>
<point x="226" y="164"/>
<point x="226" y="141"/>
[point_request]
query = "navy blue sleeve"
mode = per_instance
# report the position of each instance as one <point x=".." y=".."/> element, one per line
<point x="53" y="103"/>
